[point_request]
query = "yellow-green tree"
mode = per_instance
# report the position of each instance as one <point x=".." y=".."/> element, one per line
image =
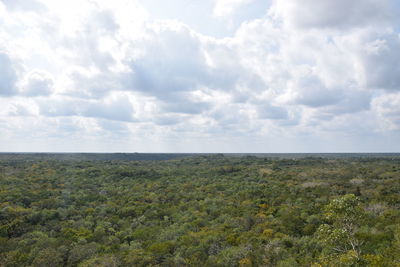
<point x="339" y="235"/>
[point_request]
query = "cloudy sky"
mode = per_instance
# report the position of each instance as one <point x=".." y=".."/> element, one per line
<point x="200" y="75"/>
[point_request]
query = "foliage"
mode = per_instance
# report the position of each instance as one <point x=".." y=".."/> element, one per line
<point x="345" y="216"/>
<point x="206" y="210"/>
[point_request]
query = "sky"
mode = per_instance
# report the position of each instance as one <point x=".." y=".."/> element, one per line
<point x="207" y="76"/>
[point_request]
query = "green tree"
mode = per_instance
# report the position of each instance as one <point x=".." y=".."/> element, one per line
<point x="344" y="216"/>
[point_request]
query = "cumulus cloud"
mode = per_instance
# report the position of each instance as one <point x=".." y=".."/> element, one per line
<point x="37" y="83"/>
<point x="23" y="5"/>
<point x="272" y="112"/>
<point x="378" y="55"/>
<point x="117" y="108"/>
<point x="301" y="71"/>
<point x="388" y="110"/>
<point x="338" y="14"/>
<point x="227" y="7"/>
<point x="172" y="62"/>
<point x="171" y="59"/>
<point x="8" y="75"/>
<point x="79" y="82"/>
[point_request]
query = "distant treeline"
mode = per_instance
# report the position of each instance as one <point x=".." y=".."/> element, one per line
<point x="171" y="156"/>
<point x="91" y="156"/>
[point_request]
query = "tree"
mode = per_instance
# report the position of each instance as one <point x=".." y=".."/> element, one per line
<point x="339" y="235"/>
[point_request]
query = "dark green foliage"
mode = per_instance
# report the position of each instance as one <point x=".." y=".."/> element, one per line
<point x="208" y="210"/>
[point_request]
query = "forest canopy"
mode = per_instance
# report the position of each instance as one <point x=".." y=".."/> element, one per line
<point x="206" y="210"/>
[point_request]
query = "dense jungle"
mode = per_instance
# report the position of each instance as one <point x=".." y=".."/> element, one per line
<point x="200" y="210"/>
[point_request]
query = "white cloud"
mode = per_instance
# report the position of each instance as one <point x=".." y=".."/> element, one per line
<point x="378" y="56"/>
<point x="227" y="7"/>
<point x="8" y="75"/>
<point x="387" y="108"/>
<point x="37" y="83"/>
<point x="22" y="5"/>
<point x="117" y="107"/>
<point x="338" y="14"/>
<point x="305" y="71"/>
